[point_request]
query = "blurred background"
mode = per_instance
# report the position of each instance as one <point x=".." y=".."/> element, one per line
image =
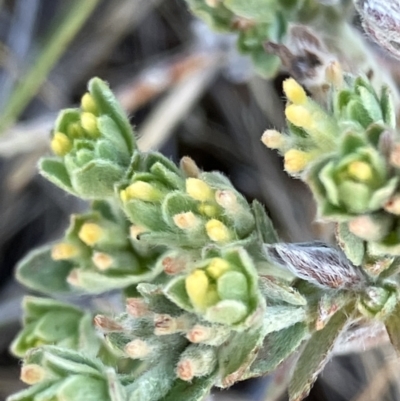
<point x="187" y="92"/>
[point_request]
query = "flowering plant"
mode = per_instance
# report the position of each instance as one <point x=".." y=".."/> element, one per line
<point x="212" y="297"/>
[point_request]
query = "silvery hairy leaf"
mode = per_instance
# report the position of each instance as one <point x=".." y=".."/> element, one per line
<point x="316" y="263"/>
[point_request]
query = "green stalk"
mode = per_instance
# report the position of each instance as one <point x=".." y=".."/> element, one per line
<point x="30" y="83"/>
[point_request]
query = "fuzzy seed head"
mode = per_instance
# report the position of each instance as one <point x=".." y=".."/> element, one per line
<point x="217" y="231"/>
<point x="273" y="139"/>
<point x="90" y="233"/>
<point x="60" y="144"/>
<point x="64" y="251"/>
<point x="294" y="91"/>
<point x="295" y="161"/>
<point x="199" y="190"/>
<point x="32" y="374"/>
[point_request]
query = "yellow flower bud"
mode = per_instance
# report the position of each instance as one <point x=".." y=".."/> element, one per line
<point x="207" y="210"/>
<point x="186" y="221"/>
<point x="196" y="285"/>
<point x="294" y="91"/>
<point x="273" y="139"/>
<point x="199" y="190"/>
<point x="296" y="160"/>
<point x="360" y="171"/>
<point x="90" y="233"/>
<point x="32" y="374"/>
<point x="217" y="231"/>
<point x="75" y="130"/>
<point x="299" y="116"/>
<point x="217" y="267"/>
<point x="141" y="190"/>
<point x="89" y="123"/>
<point x="63" y="251"/>
<point x="60" y="144"/>
<point x="102" y="260"/>
<point x="88" y="104"/>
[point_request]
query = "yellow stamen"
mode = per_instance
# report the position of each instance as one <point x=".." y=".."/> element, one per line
<point x="90" y="233"/>
<point x="217" y="267"/>
<point x="88" y="104"/>
<point x="296" y="160"/>
<point x="294" y="91"/>
<point x="273" y="139"/>
<point x="141" y="190"/>
<point x="199" y="190"/>
<point x="60" y="144"/>
<point x="299" y="116"/>
<point x="360" y="171"/>
<point x="63" y="251"/>
<point x="217" y="231"/>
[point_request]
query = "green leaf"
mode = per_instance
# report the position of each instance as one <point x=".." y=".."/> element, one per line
<point x="388" y="110"/>
<point x="370" y="102"/>
<point x="277" y="290"/>
<point x="195" y="390"/>
<point x="55" y="171"/>
<point x="175" y="290"/>
<point x="236" y="355"/>
<point x="276" y="348"/>
<point x="39" y="272"/>
<point x="107" y="103"/>
<point x="392" y="324"/>
<point x="259" y="10"/>
<point x="280" y="317"/>
<point x="315" y="355"/>
<point x="265" y="229"/>
<point x="96" y="179"/>
<point x="83" y="388"/>
<point x="351" y="245"/>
